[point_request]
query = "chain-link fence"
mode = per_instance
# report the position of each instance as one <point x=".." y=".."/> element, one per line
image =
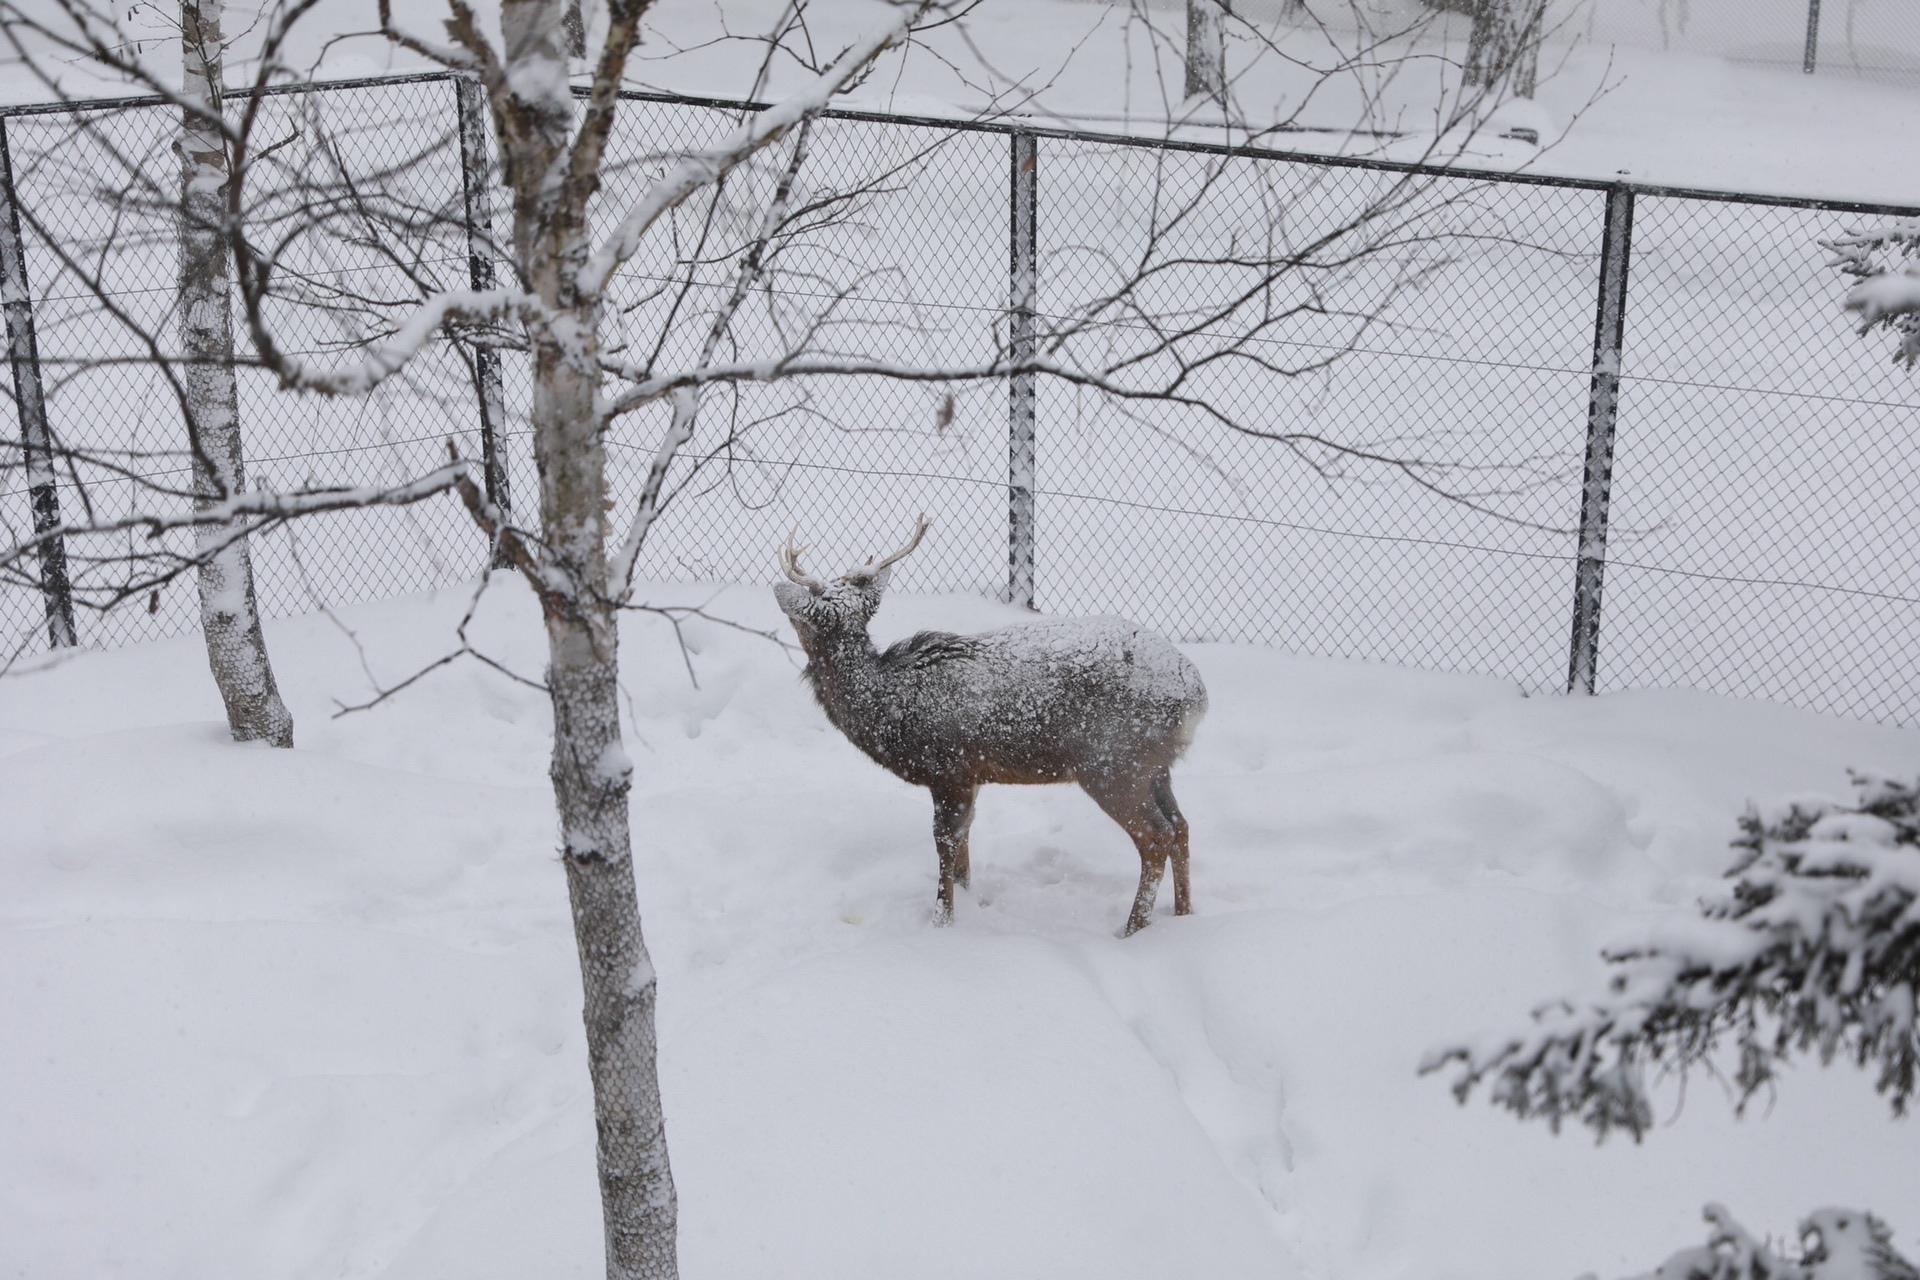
<point x="1422" y="465"/>
<point x="94" y="192"/>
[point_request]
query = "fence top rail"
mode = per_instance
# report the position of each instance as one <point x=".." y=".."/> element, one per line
<point x="76" y="106"/>
<point x="1008" y="125"/>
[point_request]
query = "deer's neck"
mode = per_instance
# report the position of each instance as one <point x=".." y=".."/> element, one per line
<point x="854" y="691"/>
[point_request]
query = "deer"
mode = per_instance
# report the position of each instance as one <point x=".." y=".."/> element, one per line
<point x="1095" y="701"/>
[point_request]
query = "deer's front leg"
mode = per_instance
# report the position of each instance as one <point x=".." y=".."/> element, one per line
<point x="952" y="815"/>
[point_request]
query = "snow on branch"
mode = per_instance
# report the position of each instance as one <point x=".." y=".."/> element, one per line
<point x="1884" y="262"/>
<point x="1834" y="1244"/>
<point x="1814" y="947"/>
<point x="460" y="56"/>
<point x="696" y="171"/>
<point x="469" y="306"/>
<point x="254" y="508"/>
<point x="103" y="580"/>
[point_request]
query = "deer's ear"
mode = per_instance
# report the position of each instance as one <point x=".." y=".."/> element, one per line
<point x="793" y="598"/>
<point x="881" y="579"/>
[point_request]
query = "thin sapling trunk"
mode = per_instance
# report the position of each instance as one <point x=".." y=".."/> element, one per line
<point x="591" y="779"/>
<point x="229" y="614"/>
<point x="590" y="770"/>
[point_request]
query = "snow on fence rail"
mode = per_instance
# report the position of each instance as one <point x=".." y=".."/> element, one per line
<point x="1691" y="470"/>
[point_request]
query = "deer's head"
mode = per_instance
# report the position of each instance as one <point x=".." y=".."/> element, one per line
<point x="820" y="610"/>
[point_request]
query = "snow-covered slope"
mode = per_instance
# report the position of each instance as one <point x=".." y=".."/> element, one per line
<point x="316" y="1013"/>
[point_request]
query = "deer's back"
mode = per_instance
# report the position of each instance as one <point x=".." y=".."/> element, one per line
<point x="1045" y="701"/>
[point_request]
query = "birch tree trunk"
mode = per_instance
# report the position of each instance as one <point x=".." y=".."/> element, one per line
<point x="591" y="778"/>
<point x="590" y="770"/>
<point x="1207" y="50"/>
<point x="229" y="616"/>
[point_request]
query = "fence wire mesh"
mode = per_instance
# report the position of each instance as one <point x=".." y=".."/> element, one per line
<point x="905" y="261"/>
<point x="101" y="248"/>
<point x="1480" y="373"/>
<point x="1395" y="473"/>
<point x="1765" y="536"/>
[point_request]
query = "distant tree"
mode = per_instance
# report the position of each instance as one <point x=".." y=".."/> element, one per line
<point x="1503" y="49"/>
<point x="1503" y="46"/>
<point x="1207" y="49"/>
<point x="1884" y="263"/>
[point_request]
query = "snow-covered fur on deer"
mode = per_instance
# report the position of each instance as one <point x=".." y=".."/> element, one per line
<point x="1096" y="701"/>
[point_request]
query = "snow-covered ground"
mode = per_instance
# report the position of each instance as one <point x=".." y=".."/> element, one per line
<point x="315" y="1013"/>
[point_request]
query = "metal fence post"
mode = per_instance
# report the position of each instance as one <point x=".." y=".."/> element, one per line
<point x="1603" y="406"/>
<point x="476" y="172"/>
<point x="1024" y="287"/>
<point x="36" y="441"/>
<point x="1813" y="35"/>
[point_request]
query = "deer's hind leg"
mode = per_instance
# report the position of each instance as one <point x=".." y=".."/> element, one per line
<point x="962" y="857"/>
<point x="1132" y="803"/>
<point x="952" y="816"/>
<point x="1170" y="809"/>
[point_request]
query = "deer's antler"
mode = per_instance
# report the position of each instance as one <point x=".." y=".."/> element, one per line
<point x="789" y="558"/>
<point x="869" y="571"/>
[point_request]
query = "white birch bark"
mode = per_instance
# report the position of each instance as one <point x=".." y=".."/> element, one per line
<point x="591" y="777"/>
<point x="229" y="615"/>
<point x="590" y="771"/>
